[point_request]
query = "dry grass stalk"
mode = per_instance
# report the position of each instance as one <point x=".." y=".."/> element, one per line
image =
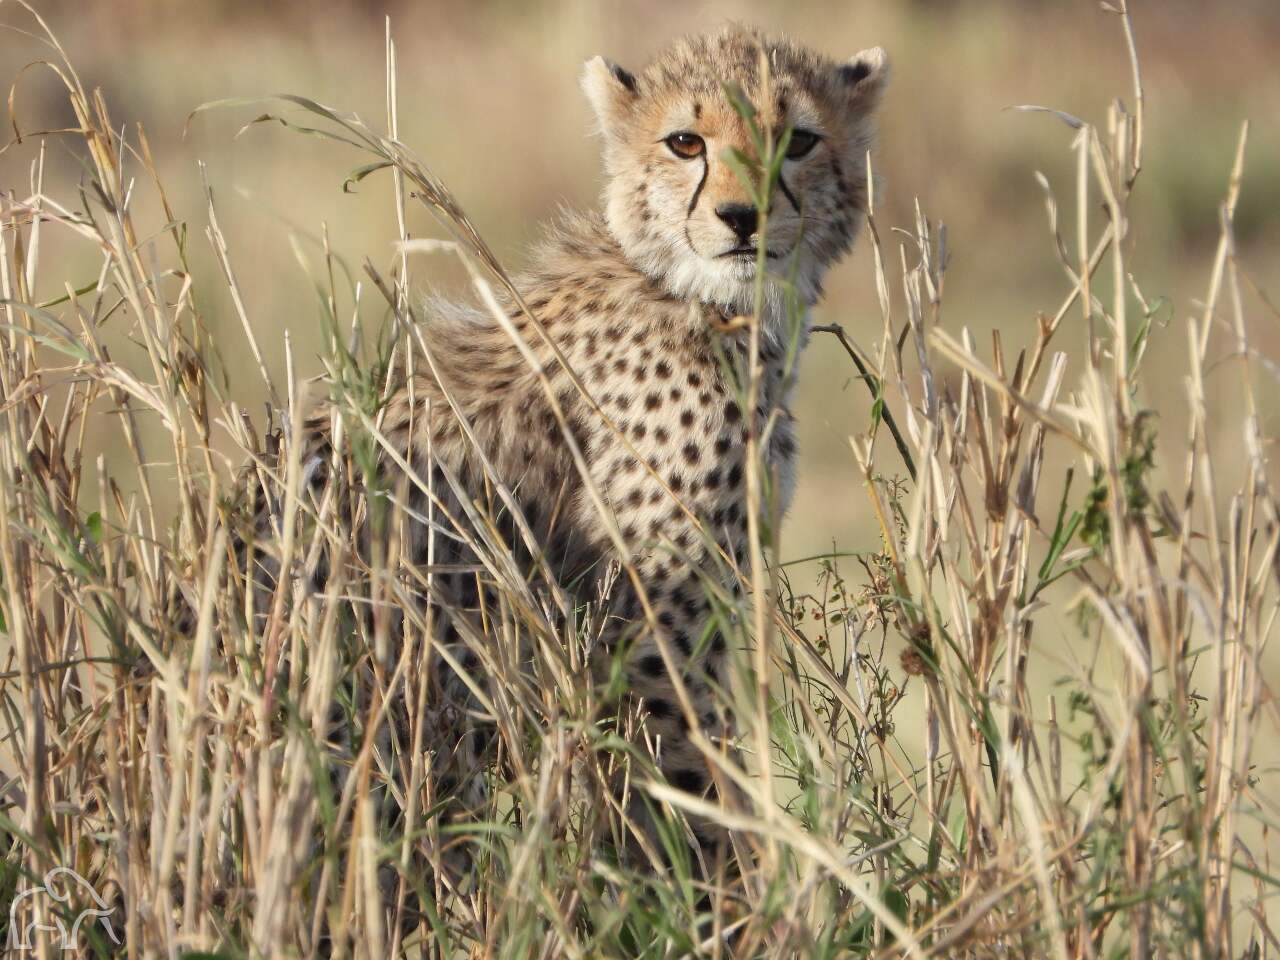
<point x="187" y="775"/>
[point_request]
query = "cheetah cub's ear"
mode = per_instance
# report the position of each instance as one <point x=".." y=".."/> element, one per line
<point x="865" y="76"/>
<point x="612" y="92"/>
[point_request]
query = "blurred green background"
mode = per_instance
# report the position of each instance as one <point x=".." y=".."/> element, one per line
<point x="489" y="97"/>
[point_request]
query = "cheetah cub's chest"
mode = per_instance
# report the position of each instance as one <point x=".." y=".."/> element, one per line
<point x="672" y="390"/>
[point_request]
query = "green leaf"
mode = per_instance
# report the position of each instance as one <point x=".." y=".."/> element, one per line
<point x="776" y="160"/>
<point x="745" y="109"/>
<point x="739" y="101"/>
<point x="742" y="166"/>
<point x="80" y="292"/>
<point x="363" y="171"/>
<point x="361" y="138"/>
<point x="1061" y="534"/>
<point x="65" y="342"/>
<point x="897" y="903"/>
<point x="299" y="128"/>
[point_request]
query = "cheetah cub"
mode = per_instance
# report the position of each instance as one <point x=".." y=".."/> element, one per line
<point x="637" y="300"/>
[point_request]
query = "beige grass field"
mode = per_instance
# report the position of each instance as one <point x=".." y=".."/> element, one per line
<point x="1022" y="706"/>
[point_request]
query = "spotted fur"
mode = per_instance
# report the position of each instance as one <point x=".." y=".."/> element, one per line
<point x="637" y="300"/>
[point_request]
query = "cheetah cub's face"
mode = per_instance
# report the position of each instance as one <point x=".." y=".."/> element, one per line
<point x="677" y="207"/>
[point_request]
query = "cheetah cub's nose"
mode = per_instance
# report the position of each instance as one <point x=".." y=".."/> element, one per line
<point x="741" y="218"/>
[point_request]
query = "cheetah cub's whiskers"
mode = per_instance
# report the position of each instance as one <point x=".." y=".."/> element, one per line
<point x="641" y="302"/>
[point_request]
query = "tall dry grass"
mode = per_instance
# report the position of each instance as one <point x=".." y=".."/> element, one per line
<point x="190" y="776"/>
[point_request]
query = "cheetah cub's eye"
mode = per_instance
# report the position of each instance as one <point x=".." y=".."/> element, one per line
<point x="686" y="145"/>
<point x="801" y="144"/>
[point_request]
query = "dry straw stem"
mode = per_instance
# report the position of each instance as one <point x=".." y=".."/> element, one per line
<point x="188" y="770"/>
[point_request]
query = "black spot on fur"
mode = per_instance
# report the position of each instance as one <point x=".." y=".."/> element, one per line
<point x="660" y="708"/>
<point x="690" y="781"/>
